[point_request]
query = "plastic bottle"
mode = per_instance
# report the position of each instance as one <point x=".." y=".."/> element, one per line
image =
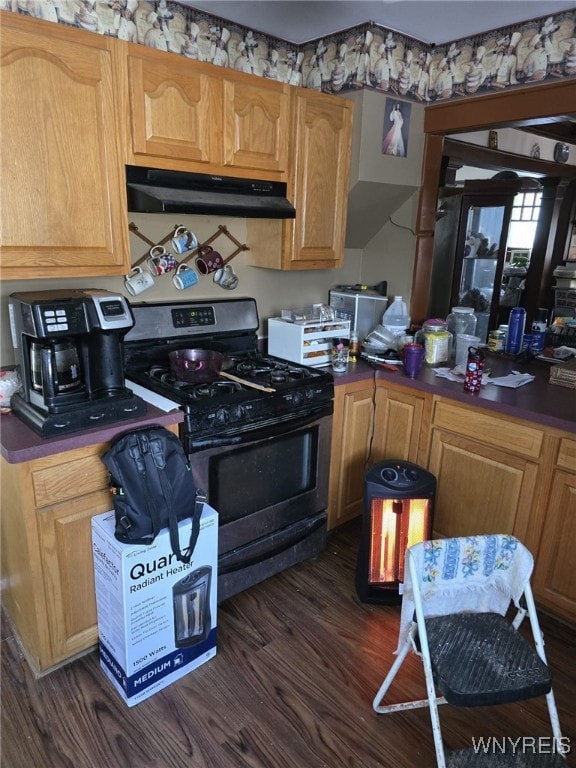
<point x="516" y="324"/>
<point x="460" y="320"/>
<point x="474" y="368"/>
<point x="396" y="318"/>
<point x="354" y="347"/>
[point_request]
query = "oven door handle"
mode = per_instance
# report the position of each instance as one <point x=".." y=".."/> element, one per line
<point x="263" y="433"/>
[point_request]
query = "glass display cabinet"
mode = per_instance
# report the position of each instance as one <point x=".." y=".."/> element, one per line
<point x="470" y="252"/>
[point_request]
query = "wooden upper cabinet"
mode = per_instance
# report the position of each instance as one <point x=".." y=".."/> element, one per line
<point x="318" y="172"/>
<point x="322" y="130"/>
<point x="174" y="108"/>
<point x="62" y="196"/>
<point x="256" y="117"/>
<point x="200" y="118"/>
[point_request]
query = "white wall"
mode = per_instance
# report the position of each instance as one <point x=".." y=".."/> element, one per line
<point x="272" y="289"/>
<point x="389" y="256"/>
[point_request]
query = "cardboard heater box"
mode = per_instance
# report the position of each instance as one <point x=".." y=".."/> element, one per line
<point x="156" y="615"/>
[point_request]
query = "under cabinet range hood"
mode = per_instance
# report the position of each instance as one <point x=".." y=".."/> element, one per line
<point x="151" y="190"/>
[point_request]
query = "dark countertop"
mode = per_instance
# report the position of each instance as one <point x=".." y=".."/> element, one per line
<point x="539" y="401"/>
<point x="19" y="443"/>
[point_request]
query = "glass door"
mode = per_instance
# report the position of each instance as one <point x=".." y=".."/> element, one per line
<point x="480" y="257"/>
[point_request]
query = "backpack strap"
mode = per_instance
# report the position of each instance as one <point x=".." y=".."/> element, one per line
<point x="199" y="502"/>
<point x="139" y="447"/>
<point x="157" y="453"/>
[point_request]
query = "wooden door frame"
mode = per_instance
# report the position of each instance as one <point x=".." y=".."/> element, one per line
<point x="516" y="108"/>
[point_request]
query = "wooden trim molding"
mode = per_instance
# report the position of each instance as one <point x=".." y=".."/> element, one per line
<point x="513" y="108"/>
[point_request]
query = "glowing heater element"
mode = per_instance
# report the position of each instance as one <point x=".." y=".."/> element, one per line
<point x="396" y="525"/>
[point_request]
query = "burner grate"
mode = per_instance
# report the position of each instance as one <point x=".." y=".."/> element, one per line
<point x="271" y="371"/>
<point x="200" y="391"/>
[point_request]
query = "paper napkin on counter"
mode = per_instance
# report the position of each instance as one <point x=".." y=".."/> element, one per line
<point x="513" y="380"/>
<point x="454" y="374"/>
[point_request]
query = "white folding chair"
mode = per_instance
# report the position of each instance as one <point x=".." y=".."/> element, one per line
<point x="455" y="597"/>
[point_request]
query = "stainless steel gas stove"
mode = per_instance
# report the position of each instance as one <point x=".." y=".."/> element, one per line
<point x="258" y="439"/>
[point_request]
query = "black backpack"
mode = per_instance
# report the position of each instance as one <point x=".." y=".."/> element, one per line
<point x="153" y="488"/>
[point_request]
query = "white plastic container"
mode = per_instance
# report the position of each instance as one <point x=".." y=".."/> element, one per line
<point x="396" y="318"/>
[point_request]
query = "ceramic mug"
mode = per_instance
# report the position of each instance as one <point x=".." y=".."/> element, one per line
<point x="184" y="240"/>
<point x="208" y="260"/>
<point x="185" y="277"/>
<point x="160" y="261"/>
<point x="138" y="281"/>
<point x="225" y="277"/>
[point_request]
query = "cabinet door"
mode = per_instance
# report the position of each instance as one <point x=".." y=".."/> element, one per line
<point x="554" y="583"/>
<point x="355" y="444"/>
<point x="255" y="124"/>
<point x="480" y="489"/>
<point x="62" y="197"/>
<point x="322" y="128"/>
<point x="401" y="420"/>
<point x="175" y="108"/>
<point x="66" y="551"/>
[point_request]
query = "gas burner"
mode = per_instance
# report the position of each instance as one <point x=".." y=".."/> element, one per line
<point x="252" y="367"/>
<point x="273" y="371"/>
<point x="158" y="372"/>
<point x="199" y="391"/>
<point x="213" y="389"/>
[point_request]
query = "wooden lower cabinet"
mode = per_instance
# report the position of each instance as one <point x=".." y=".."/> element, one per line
<point x="47" y="567"/>
<point x="554" y="582"/>
<point x="487" y="470"/>
<point x="479" y="489"/>
<point x="371" y="423"/>
<point x="495" y="474"/>
<point x="402" y="420"/>
<point x="355" y="444"/>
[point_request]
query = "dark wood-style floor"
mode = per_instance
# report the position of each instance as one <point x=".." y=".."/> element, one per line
<point x="299" y="661"/>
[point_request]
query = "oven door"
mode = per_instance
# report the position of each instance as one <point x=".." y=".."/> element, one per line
<point x="270" y="488"/>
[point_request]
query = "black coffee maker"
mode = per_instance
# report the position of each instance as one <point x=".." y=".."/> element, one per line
<point x="68" y="345"/>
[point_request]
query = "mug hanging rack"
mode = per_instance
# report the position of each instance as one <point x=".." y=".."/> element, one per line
<point x="222" y="230"/>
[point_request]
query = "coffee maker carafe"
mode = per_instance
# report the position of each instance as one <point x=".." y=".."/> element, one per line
<point x="69" y="348"/>
<point x="55" y="366"/>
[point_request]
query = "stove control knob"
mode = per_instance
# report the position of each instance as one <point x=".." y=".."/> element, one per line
<point x="309" y="394"/>
<point x="297" y="398"/>
<point x="238" y="412"/>
<point x="222" y="416"/>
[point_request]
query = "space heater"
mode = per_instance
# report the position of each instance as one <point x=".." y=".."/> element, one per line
<point x="398" y="508"/>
